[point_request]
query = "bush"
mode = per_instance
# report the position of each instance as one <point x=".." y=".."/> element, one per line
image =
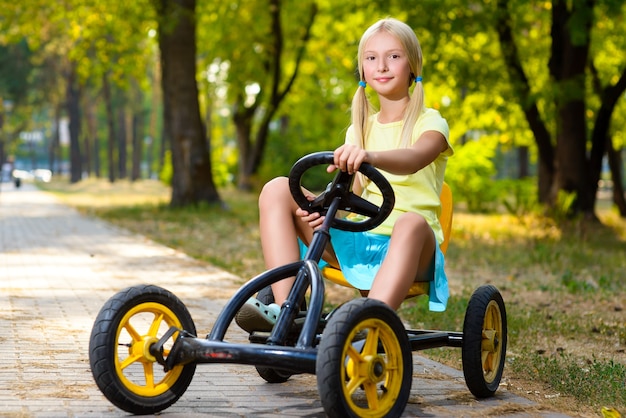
<point x="470" y="175"/>
<point x="519" y="197"/>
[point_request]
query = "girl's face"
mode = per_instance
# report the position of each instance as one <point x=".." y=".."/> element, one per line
<point x="386" y="65"/>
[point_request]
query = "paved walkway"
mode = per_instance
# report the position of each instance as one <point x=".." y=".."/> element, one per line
<point x="57" y="268"/>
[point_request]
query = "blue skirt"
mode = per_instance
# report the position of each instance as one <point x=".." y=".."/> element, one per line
<point x="360" y="255"/>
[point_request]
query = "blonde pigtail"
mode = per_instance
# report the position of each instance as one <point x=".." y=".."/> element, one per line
<point x="412" y="114"/>
<point x="361" y="110"/>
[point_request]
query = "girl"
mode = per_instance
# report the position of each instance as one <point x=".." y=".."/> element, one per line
<point x="409" y="144"/>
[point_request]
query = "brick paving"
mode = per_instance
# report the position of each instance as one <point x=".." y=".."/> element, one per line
<point x="57" y="268"/>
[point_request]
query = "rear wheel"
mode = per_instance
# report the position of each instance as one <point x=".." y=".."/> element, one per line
<point x="270" y="374"/>
<point x="364" y="363"/>
<point x="484" y="341"/>
<point x="119" y="349"/>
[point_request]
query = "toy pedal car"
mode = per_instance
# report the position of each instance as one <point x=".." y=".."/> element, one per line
<point x="143" y="349"/>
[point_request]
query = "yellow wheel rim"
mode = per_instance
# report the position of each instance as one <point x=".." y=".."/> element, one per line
<point x="136" y="368"/>
<point x="373" y="379"/>
<point x="491" y="348"/>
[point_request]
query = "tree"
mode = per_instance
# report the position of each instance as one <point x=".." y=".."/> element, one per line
<point x="564" y="161"/>
<point x="264" y="62"/>
<point x="192" y="180"/>
<point x="15" y="68"/>
<point x="73" y="92"/>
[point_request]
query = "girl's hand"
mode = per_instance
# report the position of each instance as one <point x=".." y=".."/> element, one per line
<point x="349" y="158"/>
<point x="314" y="219"/>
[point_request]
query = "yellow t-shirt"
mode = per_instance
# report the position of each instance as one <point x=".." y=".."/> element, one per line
<point x="418" y="192"/>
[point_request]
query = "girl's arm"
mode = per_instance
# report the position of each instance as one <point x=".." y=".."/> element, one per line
<point x="398" y="161"/>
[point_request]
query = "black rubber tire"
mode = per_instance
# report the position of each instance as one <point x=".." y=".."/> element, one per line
<point x="269" y="374"/>
<point x="484" y="341"/>
<point x="347" y="379"/>
<point x="136" y="318"/>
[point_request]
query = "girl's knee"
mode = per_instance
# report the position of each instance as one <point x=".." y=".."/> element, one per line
<point x="275" y="191"/>
<point x="412" y="223"/>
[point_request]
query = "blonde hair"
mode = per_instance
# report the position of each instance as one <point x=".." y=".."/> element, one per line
<point x="361" y="106"/>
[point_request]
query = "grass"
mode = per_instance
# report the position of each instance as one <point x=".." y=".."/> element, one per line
<point x="563" y="285"/>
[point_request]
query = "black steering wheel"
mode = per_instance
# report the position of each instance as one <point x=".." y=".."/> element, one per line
<point x="341" y="188"/>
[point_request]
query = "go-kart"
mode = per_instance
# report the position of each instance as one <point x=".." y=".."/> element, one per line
<point x="143" y="349"/>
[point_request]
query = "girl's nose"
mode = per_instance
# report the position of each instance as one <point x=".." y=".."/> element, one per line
<point x="382" y="65"/>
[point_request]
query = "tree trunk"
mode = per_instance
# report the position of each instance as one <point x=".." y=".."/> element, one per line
<point x="73" y="110"/>
<point x="192" y="180"/>
<point x="137" y="150"/>
<point x="55" y="142"/>
<point x="137" y="133"/>
<point x="2" y="142"/>
<point x="122" y="141"/>
<point x="92" y="129"/>
<point x="108" y="103"/>
<point x="567" y="64"/>
<point x="157" y="100"/>
<point x="251" y="154"/>
<point x="615" y="163"/>
<point x="523" y="161"/>
<point x="600" y="137"/>
<point x="521" y="87"/>
<point x="572" y="168"/>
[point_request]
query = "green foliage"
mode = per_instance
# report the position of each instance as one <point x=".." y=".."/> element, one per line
<point x="470" y="174"/>
<point x="562" y="210"/>
<point x="575" y="285"/>
<point x="15" y="68"/>
<point x="465" y="76"/>
<point x="417" y="312"/>
<point x="519" y="196"/>
<point x="224" y="163"/>
<point x="167" y="171"/>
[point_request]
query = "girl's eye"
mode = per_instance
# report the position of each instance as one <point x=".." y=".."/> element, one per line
<point x="369" y="58"/>
<point x="394" y="56"/>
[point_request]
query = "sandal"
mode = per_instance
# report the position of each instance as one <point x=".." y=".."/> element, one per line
<point x="256" y="316"/>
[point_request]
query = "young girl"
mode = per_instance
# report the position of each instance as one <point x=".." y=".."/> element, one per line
<point x="409" y="144"/>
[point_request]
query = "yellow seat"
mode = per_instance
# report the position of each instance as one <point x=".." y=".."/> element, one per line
<point x="445" y="219"/>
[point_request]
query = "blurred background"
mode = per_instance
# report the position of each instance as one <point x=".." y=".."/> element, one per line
<point x="205" y="95"/>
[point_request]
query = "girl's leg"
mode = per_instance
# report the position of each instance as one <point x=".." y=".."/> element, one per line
<point x="280" y="228"/>
<point x="411" y="250"/>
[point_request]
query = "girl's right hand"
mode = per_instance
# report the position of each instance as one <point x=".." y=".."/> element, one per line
<point x="314" y="219"/>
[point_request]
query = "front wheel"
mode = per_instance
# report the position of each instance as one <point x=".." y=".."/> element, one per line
<point x="364" y="364"/>
<point x="119" y="349"/>
<point x="484" y="341"/>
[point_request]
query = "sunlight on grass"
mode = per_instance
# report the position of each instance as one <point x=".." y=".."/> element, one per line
<point x="98" y="193"/>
